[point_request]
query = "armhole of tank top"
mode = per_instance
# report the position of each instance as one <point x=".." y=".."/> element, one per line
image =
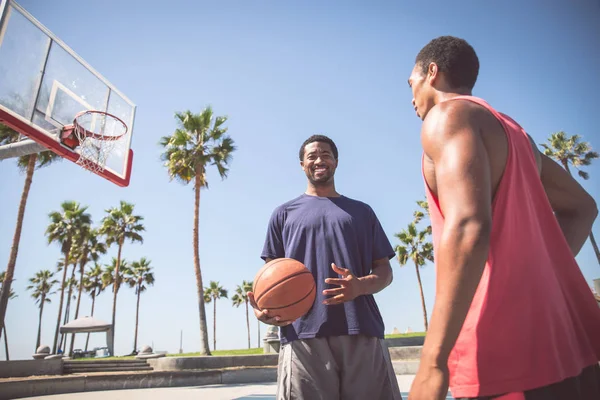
<point x="532" y="146"/>
<point x="509" y="152"/>
<point x="531" y="149"/>
<point x="509" y="143"/>
<point x="427" y="187"/>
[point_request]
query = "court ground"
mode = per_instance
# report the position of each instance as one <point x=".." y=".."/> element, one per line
<point x="265" y="391"/>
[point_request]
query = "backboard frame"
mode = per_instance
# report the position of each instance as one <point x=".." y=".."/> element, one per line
<point x="51" y="140"/>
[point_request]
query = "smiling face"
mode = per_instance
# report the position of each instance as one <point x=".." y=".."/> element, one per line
<point x="319" y="163"/>
<point x="422" y="90"/>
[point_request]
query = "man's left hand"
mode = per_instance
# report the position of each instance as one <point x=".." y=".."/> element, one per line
<point x="430" y="383"/>
<point x="350" y="287"/>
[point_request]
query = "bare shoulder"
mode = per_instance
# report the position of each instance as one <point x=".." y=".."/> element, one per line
<point x="448" y="119"/>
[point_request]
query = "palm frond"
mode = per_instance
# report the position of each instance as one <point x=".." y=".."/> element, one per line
<point x="8" y="135"/>
<point x="195" y="145"/>
<point x="570" y="150"/>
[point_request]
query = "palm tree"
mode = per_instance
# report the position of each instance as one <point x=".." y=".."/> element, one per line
<point x="415" y="247"/>
<point x="570" y="150"/>
<point x="139" y="275"/>
<point x="241" y="297"/>
<point x="27" y="164"/>
<point x="69" y="284"/>
<point x="199" y="141"/>
<point x="118" y="226"/>
<point x="63" y="228"/>
<point x="93" y="284"/>
<point x="41" y="285"/>
<point x="421" y="213"/>
<point x="12" y="295"/>
<point x="110" y="275"/>
<point x="90" y="248"/>
<point x="214" y="292"/>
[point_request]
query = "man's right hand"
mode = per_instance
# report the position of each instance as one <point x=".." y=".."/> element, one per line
<point x="264" y="315"/>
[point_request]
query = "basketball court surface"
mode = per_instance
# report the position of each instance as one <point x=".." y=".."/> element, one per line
<point x="265" y="391"/>
<point x="57" y="102"/>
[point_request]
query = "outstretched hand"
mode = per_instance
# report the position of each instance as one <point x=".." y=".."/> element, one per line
<point x="350" y="287"/>
<point x="265" y="315"/>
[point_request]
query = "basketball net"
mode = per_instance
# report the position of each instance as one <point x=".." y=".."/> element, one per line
<point x="99" y="134"/>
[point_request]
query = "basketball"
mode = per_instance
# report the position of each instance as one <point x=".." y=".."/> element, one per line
<point x="285" y="287"/>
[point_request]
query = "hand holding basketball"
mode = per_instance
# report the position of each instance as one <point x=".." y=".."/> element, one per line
<point x="265" y="316"/>
<point x="350" y="287"/>
<point x="283" y="290"/>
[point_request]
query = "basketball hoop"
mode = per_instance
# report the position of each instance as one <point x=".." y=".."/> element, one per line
<point x="97" y="134"/>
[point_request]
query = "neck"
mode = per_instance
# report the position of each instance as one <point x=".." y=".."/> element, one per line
<point x="327" y="190"/>
<point x="450" y="94"/>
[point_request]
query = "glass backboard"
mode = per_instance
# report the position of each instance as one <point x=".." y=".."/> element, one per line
<point x="44" y="85"/>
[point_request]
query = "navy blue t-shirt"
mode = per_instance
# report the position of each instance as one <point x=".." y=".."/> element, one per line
<point x="318" y="231"/>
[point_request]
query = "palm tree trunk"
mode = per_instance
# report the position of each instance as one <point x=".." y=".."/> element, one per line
<point x="14" y="250"/>
<point x="248" y="323"/>
<point x="60" y="302"/>
<point x="116" y="285"/>
<point x="39" y="335"/>
<point x="81" y="270"/>
<point x="63" y="338"/>
<point x="87" y="341"/>
<point x="565" y="164"/>
<point x="6" y="344"/>
<point x="215" y="325"/>
<point x="137" y="315"/>
<point x="595" y="246"/>
<point x="204" y="347"/>
<point x="422" y="298"/>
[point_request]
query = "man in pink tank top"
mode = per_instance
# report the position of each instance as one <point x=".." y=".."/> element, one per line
<point x="513" y="316"/>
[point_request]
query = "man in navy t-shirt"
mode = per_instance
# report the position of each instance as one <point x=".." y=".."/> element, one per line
<point x="336" y="350"/>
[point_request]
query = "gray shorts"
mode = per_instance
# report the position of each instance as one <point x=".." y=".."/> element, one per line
<point x="336" y="368"/>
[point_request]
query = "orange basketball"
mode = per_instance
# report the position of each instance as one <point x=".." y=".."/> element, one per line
<point x="285" y="287"/>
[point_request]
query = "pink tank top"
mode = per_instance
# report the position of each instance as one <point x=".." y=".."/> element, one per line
<point x="534" y="320"/>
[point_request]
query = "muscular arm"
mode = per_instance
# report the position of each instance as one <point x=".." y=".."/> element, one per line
<point x="381" y="276"/>
<point x="574" y="208"/>
<point x="464" y="190"/>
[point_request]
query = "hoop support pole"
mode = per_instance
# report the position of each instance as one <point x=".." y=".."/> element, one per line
<point x="21" y="148"/>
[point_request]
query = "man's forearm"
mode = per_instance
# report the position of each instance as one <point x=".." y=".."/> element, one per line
<point x="460" y="260"/>
<point x="378" y="280"/>
<point x="576" y="228"/>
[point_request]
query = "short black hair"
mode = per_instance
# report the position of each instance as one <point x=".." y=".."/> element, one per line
<point x="322" y="139"/>
<point x="454" y="57"/>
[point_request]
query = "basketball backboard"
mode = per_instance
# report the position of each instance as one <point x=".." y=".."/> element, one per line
<point x="44" y="84"/>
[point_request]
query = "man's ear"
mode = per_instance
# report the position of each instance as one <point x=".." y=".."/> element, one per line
<point x="432" y="72"/>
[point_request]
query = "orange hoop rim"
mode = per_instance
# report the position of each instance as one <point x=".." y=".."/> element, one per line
<point x="98" y="136"/>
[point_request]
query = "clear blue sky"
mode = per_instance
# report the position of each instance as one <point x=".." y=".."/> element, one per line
<point x="282" y="71"/>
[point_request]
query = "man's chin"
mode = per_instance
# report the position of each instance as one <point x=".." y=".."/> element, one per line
<point x="321" y="181"/>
